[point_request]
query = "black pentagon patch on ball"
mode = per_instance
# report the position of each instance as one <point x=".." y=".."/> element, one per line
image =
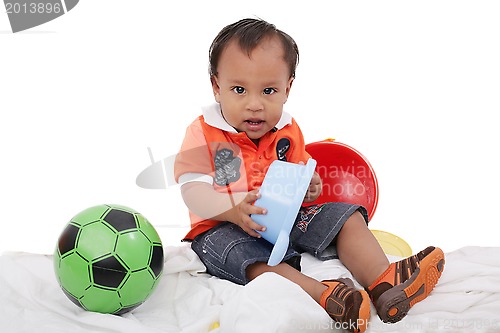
<point x="108" y="272"/>
<point x="72" y="298"/>
<point x="126" y="309"/>
<point x="157" y="260"/>
<point x="120" y="220"/>
<point x="67" y="240"/>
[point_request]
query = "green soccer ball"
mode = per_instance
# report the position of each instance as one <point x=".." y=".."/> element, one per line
<point x="108" y="259"/>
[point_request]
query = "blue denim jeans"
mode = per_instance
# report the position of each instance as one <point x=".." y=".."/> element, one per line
<point x="226" y="250"/>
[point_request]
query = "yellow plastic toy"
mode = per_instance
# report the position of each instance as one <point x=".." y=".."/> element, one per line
<point x="392" y="244"/>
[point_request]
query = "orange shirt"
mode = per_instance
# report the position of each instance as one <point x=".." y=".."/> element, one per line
<point x="212" y="151"/>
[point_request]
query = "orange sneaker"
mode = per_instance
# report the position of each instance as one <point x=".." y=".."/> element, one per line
<point x="346" y="305"/>
<point x="405" y="283"/>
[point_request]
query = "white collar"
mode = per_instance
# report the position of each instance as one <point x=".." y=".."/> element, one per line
<point x="213" y="117"/>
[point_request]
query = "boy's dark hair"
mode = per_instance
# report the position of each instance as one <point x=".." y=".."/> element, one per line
<point x="249" y="32"/>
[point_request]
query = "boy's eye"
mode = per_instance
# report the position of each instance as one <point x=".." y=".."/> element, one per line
<point x="239" y="90"/>
<point x="269" y="91"/>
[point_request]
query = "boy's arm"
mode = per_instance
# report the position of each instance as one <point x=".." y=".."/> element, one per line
<point x="203" y="200"/>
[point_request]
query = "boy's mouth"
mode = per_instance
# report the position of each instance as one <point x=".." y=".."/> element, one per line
<point x="254" y="124"/>
<point x="254" y="121"/>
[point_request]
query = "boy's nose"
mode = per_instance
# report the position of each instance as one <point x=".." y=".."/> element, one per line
<point x="254" y="103"/>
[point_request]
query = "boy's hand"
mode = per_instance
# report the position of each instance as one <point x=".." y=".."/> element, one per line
<point x="243" y="211"/>
<point x="314" y="189"/>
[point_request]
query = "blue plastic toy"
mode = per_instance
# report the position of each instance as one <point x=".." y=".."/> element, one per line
<point x="282" y="193"/>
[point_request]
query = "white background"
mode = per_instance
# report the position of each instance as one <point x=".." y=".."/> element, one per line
<point x="412" y="85"/>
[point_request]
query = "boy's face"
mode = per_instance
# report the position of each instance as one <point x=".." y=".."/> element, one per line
<point x="252" y="90"/>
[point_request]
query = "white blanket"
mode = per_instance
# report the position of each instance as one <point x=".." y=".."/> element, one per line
<point x="467" y="298"/>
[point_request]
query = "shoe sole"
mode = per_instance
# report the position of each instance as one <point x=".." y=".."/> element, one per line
<point x="397" y="301"/>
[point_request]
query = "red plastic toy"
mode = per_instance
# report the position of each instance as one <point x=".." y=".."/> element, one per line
<point x="347" y="175"/>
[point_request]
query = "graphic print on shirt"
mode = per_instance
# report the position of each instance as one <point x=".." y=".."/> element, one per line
<point x="227" y="167"/>
<point x="281" y="148"/>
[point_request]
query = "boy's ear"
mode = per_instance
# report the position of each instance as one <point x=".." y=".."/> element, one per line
<point x="215" y="88"/>
<point x="288" y="87"/>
